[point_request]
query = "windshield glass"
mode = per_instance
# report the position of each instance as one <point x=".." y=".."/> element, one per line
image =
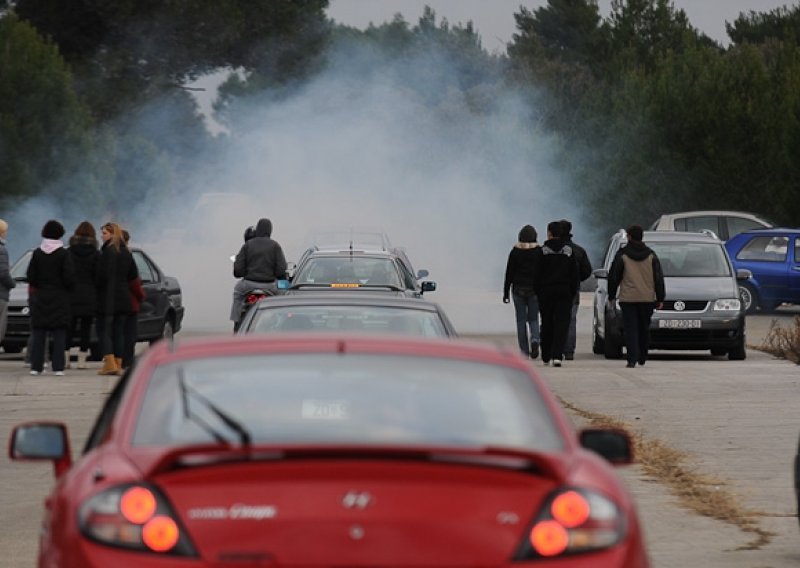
<point x="376" y="319"/>
<point x="20" y="269"/>
<point x="359" y="270"/>
<point x="331" y="399"/>
<point x="692" y="259"/>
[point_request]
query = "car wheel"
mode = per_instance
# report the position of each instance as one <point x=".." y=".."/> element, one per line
<point x="12" y="348"/>
<point x="167" y="330"/>
<point x="717" y="351"/>
<point x="738" y="352"/>
<point x="749" y="298"/>
<point x="612" y="346"/>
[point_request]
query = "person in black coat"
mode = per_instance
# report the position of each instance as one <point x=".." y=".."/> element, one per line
<point x="584" y="271"/>
<point x="556" y="285"/>
<point x="83" y="248"/>
<point x="519" y="282"/>
<point x="117" y="269"/>
<point x="51" y="276"/>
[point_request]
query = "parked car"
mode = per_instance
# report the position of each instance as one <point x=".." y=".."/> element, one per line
<point x="160" y="315"/>
<point x="702" y="308"/>
<point x="773" y="258"/>
<point x="347" y="311"/>
<point x="724" y="224"/>
<point x="321" y="450"/>
<point x="359" y="265"/>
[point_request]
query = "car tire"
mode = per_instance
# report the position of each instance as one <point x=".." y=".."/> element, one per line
<point x="612" y="346"/>
<point x="738" y="352"/>
<point x="749" y="297"/>
<point x="12" y="348"/>
<point x="718" y="351"/>
<point x="167" y="330"/>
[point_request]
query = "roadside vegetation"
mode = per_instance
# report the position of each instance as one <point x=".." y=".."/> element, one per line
<point x="782" y="341"/>
<point x="704" y="494"/>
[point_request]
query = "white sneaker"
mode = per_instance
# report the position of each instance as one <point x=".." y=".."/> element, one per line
<point x="556" y="362"/>
<point x="34" y="372"/>
<point x="59" y="373"/>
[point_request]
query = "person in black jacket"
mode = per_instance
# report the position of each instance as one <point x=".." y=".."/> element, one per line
<point x="259" y="263"/>
<point x="6" y="282"/>
<point x="117" y="269"/>
<point x="556" y="286"/>
<point x="636" y="273"/>
<point x="51" y="276"/>
<point x="519" y="281"/>
<point x="584" y="271"/>
<point x="83" y="248"/>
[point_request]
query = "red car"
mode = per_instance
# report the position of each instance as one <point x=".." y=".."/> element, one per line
<point x="311" y="450"/>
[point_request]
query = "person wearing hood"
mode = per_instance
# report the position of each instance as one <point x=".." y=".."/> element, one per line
<point x="6" y="282"/>
<point x="637" y="281"/>
<point x="519" y="283"/>
<point x="259" y="263"/>
<point x="85" y="253"/>
<point x="584" y="271"/>
<point x="556" y="286"/>
<point x="51" y="276"/>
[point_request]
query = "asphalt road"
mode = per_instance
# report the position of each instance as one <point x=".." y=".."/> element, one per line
<point x="734" y="420"/>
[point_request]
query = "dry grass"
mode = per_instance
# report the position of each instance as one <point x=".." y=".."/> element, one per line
<point x="704" y="494"/>
<point x="783" y="342"/>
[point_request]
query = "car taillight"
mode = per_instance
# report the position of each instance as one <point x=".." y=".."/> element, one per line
<point x="573" y="521"/>
<point x="134" y="517"/>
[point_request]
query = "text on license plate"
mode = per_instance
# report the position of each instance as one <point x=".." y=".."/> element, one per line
<point x="325" y="409"/>
<point x="679" y="324"/>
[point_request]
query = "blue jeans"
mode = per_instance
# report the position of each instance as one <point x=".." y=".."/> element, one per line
<point x="526" y="310"/>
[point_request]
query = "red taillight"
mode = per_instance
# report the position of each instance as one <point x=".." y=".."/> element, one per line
<point x="570" y="509"/>
<point x="137" y="505"/>
<point x="549" y="538"/>
<point x="134" y="517"/>
<point x="573" y="521"/>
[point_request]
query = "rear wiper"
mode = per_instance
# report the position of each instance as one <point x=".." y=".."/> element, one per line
<point x="233" y="424"/>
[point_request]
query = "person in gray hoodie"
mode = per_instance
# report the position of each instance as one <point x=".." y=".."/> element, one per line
<point x="6" y="282"/>
<point x="636" y="273"/>
<point x="259" y="263"/>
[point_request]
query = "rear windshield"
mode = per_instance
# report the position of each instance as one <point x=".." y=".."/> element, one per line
<point x="331" y="399"/>
<point x="349" y="270"/>
<point x="371" y="319"/>
<point x="692" y="259"/>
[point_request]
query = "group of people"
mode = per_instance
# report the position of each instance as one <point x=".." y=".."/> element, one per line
<point x="69" y="288"/>
<point x="544" y="283"/>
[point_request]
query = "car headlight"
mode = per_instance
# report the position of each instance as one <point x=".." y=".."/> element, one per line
<point x="728" y="305"/>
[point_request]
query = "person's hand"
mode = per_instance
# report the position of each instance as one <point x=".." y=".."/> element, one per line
<point x="659" y="305"/>
<point x="505" y="299"/>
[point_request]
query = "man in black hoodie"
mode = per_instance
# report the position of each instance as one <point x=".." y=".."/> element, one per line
<point x="584" y="271"/>
<point x="636" y="273"/>
<point x="259" y="263"/>
<point x="556" y="285"/>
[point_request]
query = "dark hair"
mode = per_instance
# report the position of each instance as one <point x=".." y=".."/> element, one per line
<point x="52" y="230"/>
<point x="85" y="229"/>
<point x="566" y="227"/>
<point x="635" y="233"/>
<point x="527" y="234"/>
<point x="126" y="236"/>
<point x="556" y="229"/>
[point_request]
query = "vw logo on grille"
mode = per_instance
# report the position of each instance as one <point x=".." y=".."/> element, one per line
<point x="679" y="306"/>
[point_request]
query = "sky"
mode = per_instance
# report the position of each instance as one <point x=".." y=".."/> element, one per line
<point x="494" y="19"/>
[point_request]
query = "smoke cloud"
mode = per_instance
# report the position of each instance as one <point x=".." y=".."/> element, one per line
<point x="449" y="175"/>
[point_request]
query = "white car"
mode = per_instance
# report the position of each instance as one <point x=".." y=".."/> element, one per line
<point x="724" y="224"/>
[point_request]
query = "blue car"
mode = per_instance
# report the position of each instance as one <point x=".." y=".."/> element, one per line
<point x="773" y="256"/>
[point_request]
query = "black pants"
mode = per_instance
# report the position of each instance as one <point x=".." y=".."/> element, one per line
<point x="38" y="346"/>
<point x="109" y="334"/>
<point x="129" y="332"/>
<point x="81" y="326"/>
<point x="636" y="325"/>
<point x="555" y="308"/>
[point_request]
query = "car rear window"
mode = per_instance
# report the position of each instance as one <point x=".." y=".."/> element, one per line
<point x="692" y="259"/>
<point x="765" y="248"/>
<point x="349" y="270"/>
<point x="372" y="319"/>
<point x="352" y="399"/>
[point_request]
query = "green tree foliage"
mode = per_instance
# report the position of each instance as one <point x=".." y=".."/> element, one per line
<point x="758" y="27"/>
<point x="44" y="130"/>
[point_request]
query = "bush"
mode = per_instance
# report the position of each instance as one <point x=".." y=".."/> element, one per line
<point x="784" y="342"/>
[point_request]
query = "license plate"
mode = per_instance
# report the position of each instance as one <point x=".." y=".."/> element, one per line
<point x="679" y="324"/>
<point x="325" y="409"/>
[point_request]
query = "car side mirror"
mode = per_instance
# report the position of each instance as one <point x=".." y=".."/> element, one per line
<point x="428" y="286"/>
<point x="614" y="445"/>
<point x="743" y="274"/>
<point x="600" y="273"/>
<point x="422" y="273"/>
<point x="41" y="441"/>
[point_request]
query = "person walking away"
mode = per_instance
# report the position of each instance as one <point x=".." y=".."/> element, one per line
<point x="556" y="286"/>
<point x="116" y="270"/>
<point x="83" y="248"/>
<point x="130" y="330"/>
<point x="51" y="277"/>
<point x="636" y="280"/>
<point x="519" y="281"/>
<point x="259" y="263"/>
<point x="6" y="282"/>
<point x="584" y="271"/>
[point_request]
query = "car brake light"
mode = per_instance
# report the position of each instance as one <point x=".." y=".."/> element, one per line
<point x="573" y="521"/>
<point x="135" y="517"/>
